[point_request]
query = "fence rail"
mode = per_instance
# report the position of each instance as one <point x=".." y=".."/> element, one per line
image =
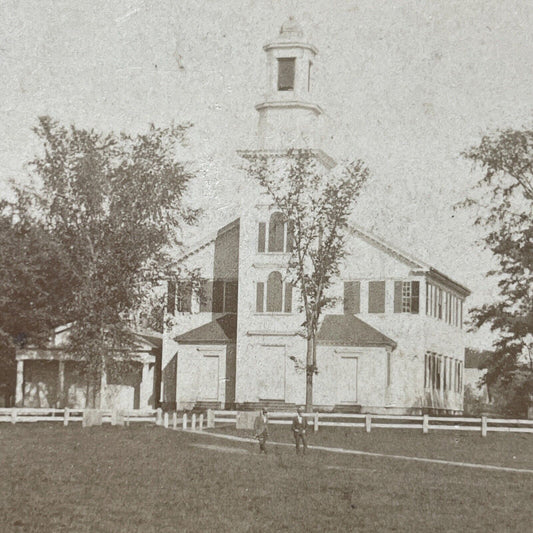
<point x="67" y="415"/>
<point x="214" y="418"/>
<point x="425" y="423"/>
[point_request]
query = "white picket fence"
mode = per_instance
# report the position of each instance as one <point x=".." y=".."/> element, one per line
<point x="214" y="418"/>
<point x="29" y="414"/>
<point x="425" y="423"/>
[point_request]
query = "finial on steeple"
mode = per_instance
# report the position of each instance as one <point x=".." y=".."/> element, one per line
<point x="291" y="30"/>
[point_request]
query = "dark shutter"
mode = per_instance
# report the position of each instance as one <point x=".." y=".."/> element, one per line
<point x="398" y="287"/>
<point x="376" y="296"/>
<point x="206" y="297"/>
<point x="260" y="298"/>
<point x="184" y="292"/>
<point x="286" y="73"/>
<point x="218" y="296"/>
<point x="415" y="296"/>
<point x="352" y="297"/>
<point x="287" y="308"/>
<point x="290" y="236"/>
<point x="261" y="238"/>
<point x="230" y="299"/>
<point x="171" y="297"/>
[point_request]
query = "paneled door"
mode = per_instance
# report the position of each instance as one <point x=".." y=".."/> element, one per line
<point x="209" y="378"/>
<point x="347" y="379"/>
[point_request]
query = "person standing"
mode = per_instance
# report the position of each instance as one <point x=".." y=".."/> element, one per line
<point x="299" y="430"/>
<point x="261" y="429"/>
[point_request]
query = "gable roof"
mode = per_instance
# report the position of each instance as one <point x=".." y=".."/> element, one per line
<point x="417" y="265"/>
<point x="349" y="330"/>
<point x="222" y="330"/>
<point x="209" y="239"/>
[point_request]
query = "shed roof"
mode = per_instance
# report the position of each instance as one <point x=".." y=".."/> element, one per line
<point x="222" y="330"/>
<point x="349" y="330"/>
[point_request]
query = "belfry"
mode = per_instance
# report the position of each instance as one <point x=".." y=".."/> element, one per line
<point x="288" y="115"/>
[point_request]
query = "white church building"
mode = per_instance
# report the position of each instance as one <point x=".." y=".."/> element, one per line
<point x="394" y="343"/>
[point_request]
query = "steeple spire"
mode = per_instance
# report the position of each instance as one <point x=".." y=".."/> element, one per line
<point x="288" y="115"/>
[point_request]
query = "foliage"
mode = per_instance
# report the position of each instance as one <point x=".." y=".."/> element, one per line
<point x="108" y="206"/>
<point x="316" y="202"/>
<point x="505" y="212"/>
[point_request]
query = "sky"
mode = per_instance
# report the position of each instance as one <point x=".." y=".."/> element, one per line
<point x="405" y="85"/>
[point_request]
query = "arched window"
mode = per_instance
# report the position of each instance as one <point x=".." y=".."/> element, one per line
<point x="276" y="233"/>
<point x="274" y="299"/>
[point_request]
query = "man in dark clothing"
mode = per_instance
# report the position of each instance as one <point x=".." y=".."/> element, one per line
<point x="261" y="429"/>
<point x="299" y="428"/>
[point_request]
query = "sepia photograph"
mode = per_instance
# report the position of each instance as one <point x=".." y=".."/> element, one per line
<point x="266" y="265"/>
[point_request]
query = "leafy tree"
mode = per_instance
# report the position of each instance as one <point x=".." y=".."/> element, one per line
<point x="112" y="204"/>
<point x="316" y="203"/>
<point x="33" y="278"/>
<point x="505" y="212"/>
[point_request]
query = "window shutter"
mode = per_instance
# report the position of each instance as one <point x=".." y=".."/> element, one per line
<point x="287" y="308"/>
<point x="290" y="237"/>
<point x="171" y="297"/>
<point x="260" y="298"/>
<point x="352" y="297"/>
<point x="376" y="297"/>
<point x="230" y="299"/>
<point x="398" y="285"/>
<point x="206" y="297"/>
<point x="218" y="296"/>
<point x="415" y="296"/>
<point x="261" y="239"/>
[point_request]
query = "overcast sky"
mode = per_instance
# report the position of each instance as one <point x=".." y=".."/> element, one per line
<point x="405" y="85"/>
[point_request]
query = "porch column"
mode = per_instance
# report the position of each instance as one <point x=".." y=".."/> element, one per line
<point x="19" y="391"/>
<point x="145" y="386"/>
<point x="61" y="388"/>
<point x="102" y="391"/>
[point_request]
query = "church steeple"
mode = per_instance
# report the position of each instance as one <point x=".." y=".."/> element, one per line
<point x="288" y="115"/>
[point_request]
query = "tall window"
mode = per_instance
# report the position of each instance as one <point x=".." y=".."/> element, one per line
<point x="280" y="235"/>
<point x="286" y="69"/>
<point x="274" y="296"/>
<point x="406" y="296"/>
<point x="309" y="76"/>
<point x="179" y="297"/>
<point x="274" y="299"/>
<point x="218" y="296"/>
<point x="276" y="233"/>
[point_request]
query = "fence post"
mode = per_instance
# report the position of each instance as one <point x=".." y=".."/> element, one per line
<point x="368" y="423"/>
<point x="66" y="416"/>
<point x="158" y="416"/>
<point x="184" y="421"/>
<point x="165" y="419"/>
<point x="13" y="415"/>
<point x="483" y="426"/>
<point x="201" y="422"/>
<point x="315" y="425"/>
<point x="425" y="424"/>
<point x="174" y="420"/>
<point x="210" y="418"/>
<point x="193" y="422"/>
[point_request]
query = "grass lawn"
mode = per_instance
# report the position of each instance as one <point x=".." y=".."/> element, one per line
<point x="146" y="478"/>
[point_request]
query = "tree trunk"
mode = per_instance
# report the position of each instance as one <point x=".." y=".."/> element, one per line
<point x="309" y="373"/>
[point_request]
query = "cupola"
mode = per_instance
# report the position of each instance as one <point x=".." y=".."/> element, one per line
<point x="288" y="113"/>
